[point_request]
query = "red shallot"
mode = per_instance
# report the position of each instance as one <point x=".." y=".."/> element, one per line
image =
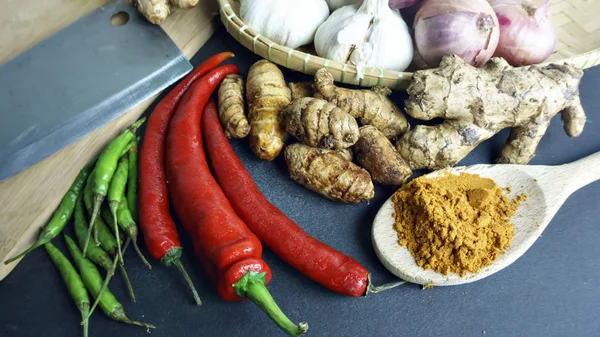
<point x="466" y="28"/>
<point x="526" y="33"/>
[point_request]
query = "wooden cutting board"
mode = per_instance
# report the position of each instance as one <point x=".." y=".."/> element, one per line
<point x="28" y="199"/>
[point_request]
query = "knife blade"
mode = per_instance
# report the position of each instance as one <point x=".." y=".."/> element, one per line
<point x="79" y="79"/>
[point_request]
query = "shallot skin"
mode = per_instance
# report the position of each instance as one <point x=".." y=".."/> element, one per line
<point x="526" y="33"/>
<point x="401" y="4"/>
<point x="466" y="28"/>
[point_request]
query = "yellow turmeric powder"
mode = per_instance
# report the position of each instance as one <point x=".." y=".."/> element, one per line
<point x="454" y="224"/>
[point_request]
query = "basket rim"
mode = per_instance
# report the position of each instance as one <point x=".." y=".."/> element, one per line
<point x="232" y="20"/>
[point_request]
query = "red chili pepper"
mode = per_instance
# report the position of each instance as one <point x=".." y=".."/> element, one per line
<point x="160" y="233"/>
<point x="284" y="237"/>
<point x="229" y="251"/>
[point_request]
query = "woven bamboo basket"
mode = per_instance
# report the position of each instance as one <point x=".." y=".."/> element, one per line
<point x="576" y="23"/>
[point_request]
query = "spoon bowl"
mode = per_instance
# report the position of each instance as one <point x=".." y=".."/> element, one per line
<point x="546" y="187"/>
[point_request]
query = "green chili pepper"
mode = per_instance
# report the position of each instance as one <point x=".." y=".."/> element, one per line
<point x="98" y="255"/>
<point x="93" y="282"/>
<point x="127" y="148"/>
<point x="108" y="241"/>
<point x="94" y="253"/>
<point x="88" y="198"/>
<point x="73" y="282"/>
<point x="106" y="166"/>
<point x="104" y="235"/>
<point x="107" y="280"/>
<point x="132" y="182"/>
<point x="125" y="221"/>
<point x="115" y="191"/>
<point x="118" y="183"/>
<point x="61" y="215"/>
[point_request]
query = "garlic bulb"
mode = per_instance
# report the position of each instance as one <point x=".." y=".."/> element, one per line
<point x="400" y="4"/>
<point x="369" y="35"/>
<point x="290" y="23"/>
<point x="335" y="4"/>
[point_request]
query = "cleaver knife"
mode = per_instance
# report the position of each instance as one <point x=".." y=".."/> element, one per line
<point x="79" y="79"/>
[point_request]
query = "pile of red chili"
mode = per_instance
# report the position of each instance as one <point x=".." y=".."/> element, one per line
<point x="160" y="232"/>
<point x="227" y="220"/>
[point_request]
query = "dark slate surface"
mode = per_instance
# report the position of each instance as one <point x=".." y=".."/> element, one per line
<point x="553" y="290"/>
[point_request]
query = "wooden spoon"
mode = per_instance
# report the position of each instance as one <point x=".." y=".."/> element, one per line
<point x="546" y="187"/>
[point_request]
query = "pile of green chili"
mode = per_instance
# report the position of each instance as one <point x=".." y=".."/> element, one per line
<point x="113" y="175"/>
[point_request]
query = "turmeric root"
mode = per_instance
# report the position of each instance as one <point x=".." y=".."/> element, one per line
<point x="329" y="174"/>
<point x="231" y="107"/>
<point x="476" y="103"/>
<point x="377" y="155"/>
<point x="371" y="107"/>
<point x="301" y="89"/>
<point x="267" y="96"/>
<point x="317" y="123"/>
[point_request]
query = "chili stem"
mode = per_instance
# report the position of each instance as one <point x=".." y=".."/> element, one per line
<point x="126" y="277"/>
<point x="119" y="315"/>
<point x="252" y="286"/>
<point x="375" y="289"/>
<point x="85" y="314"/>
<point x="40" y="242"/>
<point x="189" y="281"/>
<point x="87" y="240"/>
<point x="142" y="324"/>
<point x="97" y="202"/>
<point x="139" y="252"/>
<point x="109" y="275"/>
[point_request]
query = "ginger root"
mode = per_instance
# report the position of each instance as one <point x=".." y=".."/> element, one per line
<point x="231" y="107"/>
<point x="370" y="107"/>
<point x="317" y="123"/>
<point x="156" y="11"/>
<point x="329" y="174"/>
<point x="184" y="4"/>
<point x="377" y="155"/>
<point x="476" y="103"/>
<point x="346" y="154"/>
<point x="267" y="96"/>
<point x="301" y="89"/>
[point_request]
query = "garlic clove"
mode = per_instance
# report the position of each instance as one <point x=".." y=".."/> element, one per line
<point x="356" y="30"/>
<point x="286" y="22"/>
<point x="326" y="38"/>
<point x="371" y="35"/>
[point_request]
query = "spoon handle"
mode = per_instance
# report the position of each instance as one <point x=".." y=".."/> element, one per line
<point x="582" y="172"/>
